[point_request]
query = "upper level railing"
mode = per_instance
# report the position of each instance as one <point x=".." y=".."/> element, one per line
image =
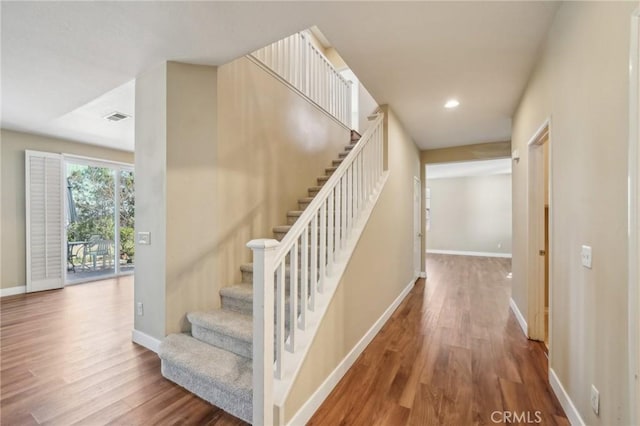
<point x="294" y="279"/>
<point x="297" y="61"/>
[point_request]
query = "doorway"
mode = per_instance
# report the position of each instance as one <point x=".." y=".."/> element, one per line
<point x="539" y="211"/>
<point x="99" y="220"/>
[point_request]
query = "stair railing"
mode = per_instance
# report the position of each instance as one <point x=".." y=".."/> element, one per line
<point x="301" y="64"/>
<point x="290" y="277"/>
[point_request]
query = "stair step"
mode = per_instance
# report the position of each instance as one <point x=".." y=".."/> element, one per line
<point x="238" y="298"/>
<point x="349" y="147"/>
<point x="293" y="215"/>
<point x="224" y="329"/>
<point x="303" y="203"/>
<point x="322" y="179"/>
<point x="355" y="136"/>
<point x="336" y="162"/>
<point x="220" y="377"/>
<point x="343" y="155"/>
<point x="329" y="170"/>
<point x="280" y="231"/>
<point x="313" y="190"/>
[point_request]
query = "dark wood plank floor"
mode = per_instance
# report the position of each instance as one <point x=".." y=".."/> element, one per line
<point x="451" y="354"/>
<point x="66" y="357"/>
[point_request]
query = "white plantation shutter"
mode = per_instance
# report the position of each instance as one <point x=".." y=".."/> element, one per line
<point x="44" y="218"/>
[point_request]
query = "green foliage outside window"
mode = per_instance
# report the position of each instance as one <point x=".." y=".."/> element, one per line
<point x="93" y="196"/>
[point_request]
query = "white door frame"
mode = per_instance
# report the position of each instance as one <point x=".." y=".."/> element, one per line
<point x="634" y="219"/>
<point x="417" y="228"/>
<point x="117" y="168"/>
<point x="535" y="311"/>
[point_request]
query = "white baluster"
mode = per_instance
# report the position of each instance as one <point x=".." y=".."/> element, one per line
<point x="336" y="223"/>
<point x="314" y="263"/>
<point x="293" y="296"/>
<point x="343" y="211"/>
<point x="280" y="312"/>
<point x="304" y="278"/>
<point x="330" y="234"/>
<point x="323" y="245"/>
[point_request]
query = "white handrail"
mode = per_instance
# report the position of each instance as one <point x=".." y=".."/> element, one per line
<point x="301" y="64"/>
<point x="312" y="246"/>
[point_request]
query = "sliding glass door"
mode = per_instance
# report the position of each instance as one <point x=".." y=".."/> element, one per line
<point x="99" y="220"/>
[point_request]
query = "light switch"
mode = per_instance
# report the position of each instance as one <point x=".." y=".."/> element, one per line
<point x="144" y="238"/>
<point x="586" y="256"/>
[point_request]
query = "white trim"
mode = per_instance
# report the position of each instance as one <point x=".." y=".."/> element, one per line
<point x="313" y="403"/>
<point x="96" y="162"/>
<point x="12" y="291"/>
<point x="423" y="274"/>
<point x="540" y="131"/>
<point x="143" y="339"/>
<point x="469" y="253"/>
<point x="519" y="316"/>
<point x="633" y="220"/>
<point x="567" y="405"/>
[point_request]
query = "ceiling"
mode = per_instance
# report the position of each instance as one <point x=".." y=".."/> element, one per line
<point x="66" y="64"/>
<point x="469" y="169"/>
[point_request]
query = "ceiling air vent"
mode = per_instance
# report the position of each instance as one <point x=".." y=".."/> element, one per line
<point x="116" y="116"/>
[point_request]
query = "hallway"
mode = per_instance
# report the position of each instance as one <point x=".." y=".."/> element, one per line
<point x="451" y="354"/>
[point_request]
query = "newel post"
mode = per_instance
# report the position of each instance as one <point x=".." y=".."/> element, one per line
<point x="263" y="299"/>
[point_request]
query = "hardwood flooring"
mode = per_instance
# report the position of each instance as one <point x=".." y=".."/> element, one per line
<point x="66" y="358"/>
<point x="451" y="354"/>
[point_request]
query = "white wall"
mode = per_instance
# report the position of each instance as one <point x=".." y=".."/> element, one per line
<point x="470" y="214"/>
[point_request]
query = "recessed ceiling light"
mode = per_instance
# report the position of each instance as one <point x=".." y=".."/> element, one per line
<point x="451" y="103"/>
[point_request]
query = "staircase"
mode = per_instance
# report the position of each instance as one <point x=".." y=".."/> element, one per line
<point x="215" y="360"/>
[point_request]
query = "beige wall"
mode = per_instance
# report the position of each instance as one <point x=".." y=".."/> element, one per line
<point x="379" y="274"/>
<point x="13" y="192"/>
<point x="470" y="213"/>
<point x="233" y="169"/>
<point x="581" y="82"/>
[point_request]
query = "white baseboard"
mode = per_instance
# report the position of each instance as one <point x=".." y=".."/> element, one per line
<point x="470" y="253"/>
<point x="143" y="339"/>
<point x="519" y="317"/>
<point x="313" y="403"/>
<point x="422" y="275"/>
<point x="567" y="405"/>
<point x="12" y="291"/>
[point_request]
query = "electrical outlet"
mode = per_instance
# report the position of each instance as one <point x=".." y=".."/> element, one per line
<point x="595" y="400"/>
<point x="139" y="309"/>
<point x="586" y="256"/>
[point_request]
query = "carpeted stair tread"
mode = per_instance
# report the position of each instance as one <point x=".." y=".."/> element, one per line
<point x="336" y="162"/>
<point x="281" y="228"/>
<point x="230" y="323"/>
<point x="240" y="291"/>
<point x="220" y="377"/>
<point x="305" y="199"/>
<point x="248" y="267"/>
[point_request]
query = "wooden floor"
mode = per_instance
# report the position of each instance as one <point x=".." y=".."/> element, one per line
<point x="66" y="357"/>
<point x="451" y="354"/>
